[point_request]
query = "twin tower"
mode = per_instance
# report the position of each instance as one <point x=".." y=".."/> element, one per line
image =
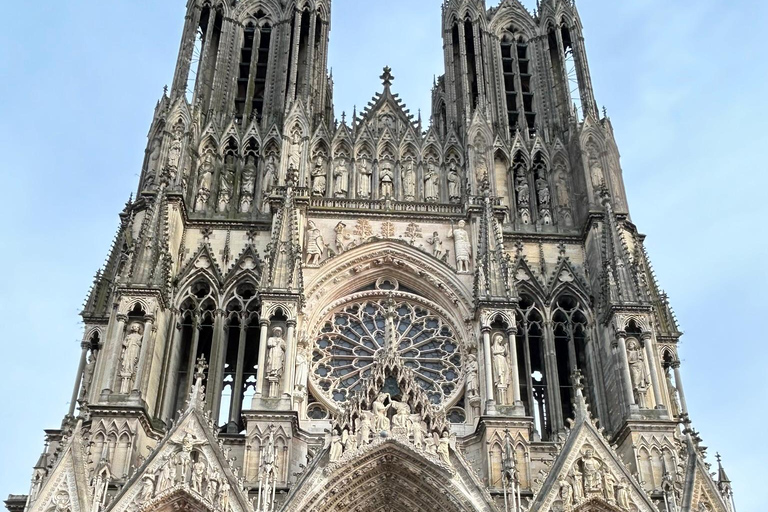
<point x="380" y="313"/>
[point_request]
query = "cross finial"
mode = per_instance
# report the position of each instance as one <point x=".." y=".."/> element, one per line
<point x="343" y="118"/>
<point x="387" y="77"/>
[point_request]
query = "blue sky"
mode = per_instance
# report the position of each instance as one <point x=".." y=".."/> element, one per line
<point x="684" y="83"/>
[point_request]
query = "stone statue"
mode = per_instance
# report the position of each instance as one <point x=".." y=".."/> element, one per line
<point x="270" y="175"/>
<point x="636" y="362"/>
<point x="147" y="488"/>
<point x="302" y="366"/>
<point x="595" y="167"/>
<point x="275" y="359"/>
<point x="341" y="179"/>
<point x="319" y="178"/>
<point x="365" y="427"/>
<point x="431" y="183"/>
<point x="409" y="181"/>
<point x="348" y="441"/>
<point x="88" y="375"/>
<point x="366" y="174"/>
<point x="561" y="186"/>
<point x="674" y="397"/>
<point x="418" y="429"/>
<point x="523" y="192"/>
<point x="400" y="419"/>
<point x="443" y="448"/>
<point x="437" y="245"/>
<point x="165" y="479"/>
<point x="205" y="182"/>
<point x="592" y="467"/>
<point x="212" y="487"/>
<point x="566" y="494"/>
<point x="248" y="184"/>
<point x="542" y="191"/>
<point x="481" y="168"/>
<point x="609" y="484"/>
<point x="500" y="366"/>
<point x="454" y="183"/>
<point x="315" y="245"/>
<point x="386" y="179"/>
<point x="222" y="497"/>
<point x="337" y="448"/>
<point x="472" y="380"/>
<point x="430" y="444"/>
<point x="225" y="189"/>
<point x="622" y="495"/>
<point x="343" y="238"/>
<point x="578" y="484"/>
<point x="154" y="156"/>
<point x="198" y="471"/>
<point x="294" y="152"/>
<point x="131" y="349"/>
<point x="381" y="422"/>
<point x="463" y="246"/>
<point x="175" y="152"/>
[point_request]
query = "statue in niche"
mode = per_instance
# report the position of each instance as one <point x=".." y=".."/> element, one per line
<point x="88" y="375"/>
<point x="578" y="484"/>
<point x="431" y="183"/>
<point x="595" y="167"/>
<point x="561" y="186"/>
<point x="248" y="184"/>
<point x="315" y="244"/>
<point x="500" y="367"/>
<point x="482" y="288"/>
<point x="147" y="489"/>
<point x="294" y="152"/>
<point x="592" y="471"/>
<point x="462" y="245"/>
<point x="165" y="478"/>
<point x="366" y="427"/>
<point x="400" y="419"/>
<point x="349" y="441"/>
<point x="443" y="448"/>
<point x="454" y="183"/>
<point x="227" y="185"/>
<point x="366" y="175"/>
<point x="472" y="379"/>
<point x="609" y="484"/>
<point x="521" y="186"/>
<point x="387" y="180"/>
<point x="481" y="167"/>
<point x="275" y="360"/>
<point x="198" y="471"/>
<point x="636" y="362"/>
<point x="409" y="181"/>
<point x="302" y="366"/>
<point x="131" y="349"/>
<point x="622" y="495"/>
<point x="337" y="449"/>
<point x="222" y="497"/>
<point x="674" y="397"/>
<point x="381" y="422"/>
<point x="341" y="178"/>
<point x="319" y="177"/>
<point x="210" y="489"/>
<point x="154" y="156"/>
<point x="175" y="152"/>
<point x="206" y="182"/>
<point x="437" y="245"/>
<point x="542" y="191"/>
<point x="270" y="175"/>
<point x="430" y="445"/>
<point x="566" y="494"/>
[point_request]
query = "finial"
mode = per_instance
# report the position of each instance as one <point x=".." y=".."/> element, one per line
<point x="165" y="90"/>
<point x="605" y="111"/>
<point x="197" y="396"/>
<point x="387" y="77"/>
<point x="343" y="118"/>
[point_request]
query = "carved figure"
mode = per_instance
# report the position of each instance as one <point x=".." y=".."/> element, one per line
<point x="437" y="245"/>
<point x="198" y="471"/>
<point x="175" y="152"/>
<point x="154" y="156"/>
<point x="562" y="189"/>
<point x="578" y="484"/>
<point x="275" y="359"/>
<point x="523" y="192"/>
<point x="270" y="175"/>
<point x="341" y="179"/>
<point x="302" y="367"/>
<point x="592" y="467"/>
<point x="225" y="189"/>
<point x="88" y="375"/>
<point x="622" y="495"/>
<point x="409" y="181"/>
<point x="636" y="365"/>
<point x="131" y="349"/>
<point x="364" y="169"/>
<point x="147" y="488"/>
<point x="595" y="167"/>
<point x="205" y="182"/>
<point x="165" y="476"/>
<point x="319" y="178"/>
<point x="315" y="244"/>
<point x="463" y="246"/>
<point x="343" y="238"/>
<point x="212" y="487"/>
<point x="386" y="179"/>
<point x="500" y="366"/>
<point x="472" y="380"/>
<point x="431" y="445"/>
<point x="418" y="429"/>
<point x="674" y="397"/>
<point x="337" y="448"/>
<point x="431" y="183"/>
<point x="248" y="184"/>
<point x="381" y="422"/>
<point x="366" y="426"/>
<point x="481" y="167"/>
<point x="400" y="419"/>
<point x="542" y="190"/>
<point x="443" y="448"/>
<point x="566" y="494"/>
<point x="454" y="183"/>
<point x="223" y="496"/>
<point x="294" y="152"/>
<point x="609" y="484"/>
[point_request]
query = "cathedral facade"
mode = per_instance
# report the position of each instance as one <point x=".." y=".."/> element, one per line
<point x="380" y="313"/>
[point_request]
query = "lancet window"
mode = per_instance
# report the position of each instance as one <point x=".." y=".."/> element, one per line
<point x="208" y="37"/>
<point x="510" y="81"/>
<point x="532" y="366"/>
<point x="517" y="77"/>
<point x="569" y="326"/>
<point x="306" y="46"/>
<point x="254" y="66"/>
<point x="564" y="68"/>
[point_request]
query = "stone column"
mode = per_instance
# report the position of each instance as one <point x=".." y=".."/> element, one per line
<point x="555" y="409"/>
<point x="218" y="359"/>
<point x="490" y="403"/>
<point x="621" y="340"/>
<point x="516" y="401"/>
<point x="290" y="350"/>
<point x="115" y="345"/>
<point x="79" y="378"/>
<point x="237" y="387"/>
<point x="172" y="370"/>
<point x="264" y="323"/>
<point x="679" y="384"/>
<point x="650" y="352"/>
<point x="193" y="353"/>
<point x="143" y="355"/>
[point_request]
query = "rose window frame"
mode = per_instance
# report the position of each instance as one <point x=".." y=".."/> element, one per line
<point x="344" y="354"/>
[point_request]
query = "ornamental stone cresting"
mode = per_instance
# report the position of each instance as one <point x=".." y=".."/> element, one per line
<point x="378" y="312"/>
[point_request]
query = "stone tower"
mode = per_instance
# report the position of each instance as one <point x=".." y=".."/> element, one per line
<point x="381" y="313"/>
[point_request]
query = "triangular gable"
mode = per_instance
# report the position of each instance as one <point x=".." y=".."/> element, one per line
<point x="189" y="464"/>
<point x="588" y="469"/>
<point x="699" y="488"/>
<point x="248" y="263"/>
<point x="67" y="485"/>
<point x="566" y="276"/>
<point x="525" y="277"/>
<point x="204" y="261"/>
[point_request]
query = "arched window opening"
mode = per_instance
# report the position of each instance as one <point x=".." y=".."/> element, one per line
<point x="443" y="120"/>
<point x="458" y="78"/>
<point x="195" y="60"/>
<point x="246" y="57"/>
<point x="508" y="75"/>
<point x="262" y="67"/>
<point x="303" y="57"/>
<point x="472" y="76"/>
<point x="569" y="325"/>
<point x="533" y="374"/>
<point x="211" y="22"/>
<point x="562" y="95"/>
<point x="197" y="315"/>
<point x="526" y="85"/>
<point x="571" y="72"/>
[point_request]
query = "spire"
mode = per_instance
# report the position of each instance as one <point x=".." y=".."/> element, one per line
<point x="197" y="396"/>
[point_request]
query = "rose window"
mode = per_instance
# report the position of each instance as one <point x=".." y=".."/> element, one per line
<point x="350" y="338"/>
